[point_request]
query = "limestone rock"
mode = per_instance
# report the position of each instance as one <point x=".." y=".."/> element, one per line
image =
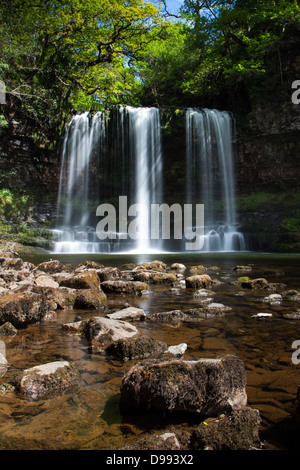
<point x="45" y="380"/>
<point x="105" y="330"/>
<point x="89" y="298"/>
<point x="128" y="314"/>
<point x="23" y="308"/>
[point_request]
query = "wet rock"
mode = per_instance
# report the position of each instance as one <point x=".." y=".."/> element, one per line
<point x="7" y="329"/>
<point x="89" y="299"/>
<point x="177" y="350"/>
<point x="236" y="431"/>
<point x="135" y="348"/>
<point x="292" y="294"/>
<point x="273" y="299"/>
<point x="217" y="308"/>
<point x="108" y="274"/>
<point x="104" y="330"/>
<point x="124" y="287"/>
<point x="198" y="270"/>
<point x="198" y="281"/>
<point x="46" y="380"/>
<point x="155" y="265"/>
<point x="262" y="315"/>
<point x="179" y="267"/>
<point x="86" y="280"/>
<point x="205" y="386"/>
<point x="3" y="365"/>
<point x="50" y="267"/>
<point x="202" y="293"/>
<point x="75" y="326"/>
<point x="128" y="314"/>
<point x="6" y="388"/>
<point x="45" y="281"/>
<point x="242" y="268"/>
<point x="11" y="262"/>
<point x="155" y="277"/>
<point x="259" y="283"/>
<point x="64" y="297"/>
<point x="292" y="315"/>
<point x="171" y="317"/>
<point x="23" y="308"/>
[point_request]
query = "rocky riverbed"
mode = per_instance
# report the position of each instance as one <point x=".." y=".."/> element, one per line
<point x="149" y="355"/>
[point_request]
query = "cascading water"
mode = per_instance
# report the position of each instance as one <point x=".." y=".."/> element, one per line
<point x="105" y="157"/>
<point x="119" y="153"/>
<point x="210" y="176"/>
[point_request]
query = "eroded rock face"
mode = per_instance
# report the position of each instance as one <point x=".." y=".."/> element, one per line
<point x="205" y="386"/>
<point x="45" y="380"/>
<point x="23" y="308"/>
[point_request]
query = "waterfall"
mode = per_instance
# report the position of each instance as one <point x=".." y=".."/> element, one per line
<point x="210" y="176"/>
<point x="145" y="144"/>
<point x="118" y="154"/>
<point x="108" y="148"/>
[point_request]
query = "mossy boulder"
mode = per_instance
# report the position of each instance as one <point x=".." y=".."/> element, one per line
<point x="86" y="280"/>
<point x="198" y="281"/>
<point x="135" y="348"/>
<point x="204" y="387"/>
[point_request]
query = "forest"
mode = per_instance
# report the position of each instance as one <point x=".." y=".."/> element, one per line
<point x="61" y="57"/>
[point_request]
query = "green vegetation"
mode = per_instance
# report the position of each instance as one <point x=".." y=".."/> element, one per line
<point x="61" y="56"/>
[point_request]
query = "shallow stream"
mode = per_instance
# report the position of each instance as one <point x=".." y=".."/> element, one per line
<point x="89" y="417"/>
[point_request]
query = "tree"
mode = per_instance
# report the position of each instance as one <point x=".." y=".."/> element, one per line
<point x="59" y="55"/>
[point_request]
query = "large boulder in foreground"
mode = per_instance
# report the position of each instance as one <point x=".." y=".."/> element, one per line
<point x="236" y="431"/>
<point x="206" y="386"/>
<point x="105" y="330"/>
<point x="23" y="308"/>
<point x="46" y="380"/>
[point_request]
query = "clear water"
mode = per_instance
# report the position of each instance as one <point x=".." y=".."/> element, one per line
<point x="89" y="417"/>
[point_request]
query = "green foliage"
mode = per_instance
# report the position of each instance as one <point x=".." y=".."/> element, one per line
<point x="220" y="45"/>
<point x="14" y="204"/>
<point x="291" y="224"/>
<point x="62" y="55"/>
